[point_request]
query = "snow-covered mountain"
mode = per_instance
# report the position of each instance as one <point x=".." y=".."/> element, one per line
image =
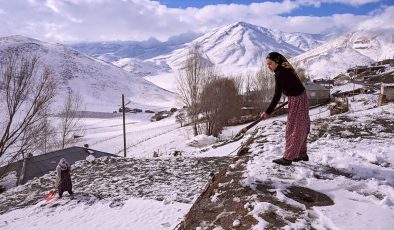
<point x="361" y="47"/>
<point x="100" y="84"/>
<point x="239" y="44"/>
<point x="142" y="68"/>
<point x="243" y="45"/>
<point x="301" y="40"/>
<point x="114" y="51"/>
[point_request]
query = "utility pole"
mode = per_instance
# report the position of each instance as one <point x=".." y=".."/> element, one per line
<point x="354" y="82"/>
<point x="124" y="126"/>
<point x="329" y="88"/>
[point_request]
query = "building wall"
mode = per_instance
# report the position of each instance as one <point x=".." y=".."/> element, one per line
<point x="388" y="92"/>
<point x="317" y="97"/>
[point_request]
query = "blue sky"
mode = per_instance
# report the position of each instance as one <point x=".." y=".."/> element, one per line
<point x="138" y="20"/>
<point x="325" y="9"/>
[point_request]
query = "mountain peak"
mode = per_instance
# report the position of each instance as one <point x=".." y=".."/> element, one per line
<point x="19" y="38"/>
<point x="242" y="24"/>
<point x="246" y="25"/>
<point x="242" y="44"/>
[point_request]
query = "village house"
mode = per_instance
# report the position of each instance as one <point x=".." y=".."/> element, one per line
<point x="317" y="93"/>
<point x="386" y="94"/>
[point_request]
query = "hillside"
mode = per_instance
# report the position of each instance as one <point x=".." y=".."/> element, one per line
<point x="360" y="48"/>
<point x="100" y="84"/>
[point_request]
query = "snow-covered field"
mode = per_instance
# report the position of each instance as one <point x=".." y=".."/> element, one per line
<point x="144" y="137"/>
<point x="136" y="214"/>
<point x="351" y="161"/>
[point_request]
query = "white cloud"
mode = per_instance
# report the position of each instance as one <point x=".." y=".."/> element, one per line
<point x="317" y="3"/>
<point x="100" y="20"/>
<point x="381" y="19"/>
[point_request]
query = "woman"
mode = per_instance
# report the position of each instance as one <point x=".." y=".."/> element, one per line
<point x="63" y="179"/>
<point x="298" y="121"/>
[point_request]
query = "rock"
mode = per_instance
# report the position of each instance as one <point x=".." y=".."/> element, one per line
<point x="90" y="158"/>
<point x="308" y="197"/>
<point x="236" y="223"/>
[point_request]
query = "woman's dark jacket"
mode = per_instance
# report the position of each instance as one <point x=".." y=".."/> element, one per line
<point x="286" y="82"/>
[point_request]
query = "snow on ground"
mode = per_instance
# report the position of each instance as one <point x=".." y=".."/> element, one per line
<point x="346" y="88"/>
<point x="144" y="137"/>
<point x="166" y="81"/>
<point x="107" y="134"/>
<point x="135" y="214"/>
<point x="351" y="161"/>
<point x="118" y="192"/>
<point x="201" y="140"/>
<point x="362" y="102"/>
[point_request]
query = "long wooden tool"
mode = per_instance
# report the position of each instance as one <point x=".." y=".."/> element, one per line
<point x="241" y="133"/>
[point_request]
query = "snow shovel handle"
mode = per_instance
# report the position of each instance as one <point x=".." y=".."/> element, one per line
<point x="244" y="130"/>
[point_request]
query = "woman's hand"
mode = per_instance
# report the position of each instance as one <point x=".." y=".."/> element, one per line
<point x="265" y="116"/>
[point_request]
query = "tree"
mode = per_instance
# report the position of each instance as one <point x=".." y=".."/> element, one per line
<point x="181" y="117"/>
<point x="263" y="86"/>
<point x="302" y="75"/>
<point x="47" y="141"/>
<point x="192" y="78"/>
<point x="27" y="88"/>
<point x="239" y="82"/>
<point x="70" y="122"/>
<point x="220" y="101"/>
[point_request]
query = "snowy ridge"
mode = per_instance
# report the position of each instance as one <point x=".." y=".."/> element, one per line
<point x="243" y="45"/>
<point x="355" y="48"/>
<point x="113" y="51"/>
<point x="142" y="68"/>
<point x="301" y="40"/>
<point x="100" y="84"/>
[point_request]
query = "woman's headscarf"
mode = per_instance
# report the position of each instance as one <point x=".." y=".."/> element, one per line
<point x="279" y="59"/>
<point x="63" y="164"/>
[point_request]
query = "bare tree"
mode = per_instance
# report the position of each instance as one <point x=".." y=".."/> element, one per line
<point x="181" y="117"/>
<point x="302" y="75"/>
<point x="47" y="141"/>
<point x="263" y="87"/>
<point x="248" y="80"/>
<point x="70" y="122"/>
<point x="192" y="78"/>
<point x="27" y="88"/>
<point x="220" y="101"/>
<point x="239" y="83"/>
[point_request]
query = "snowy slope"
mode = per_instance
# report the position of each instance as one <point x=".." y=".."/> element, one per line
<point x="242" y="45"/>
<point x="356" y="48"/>
<point x="301" y="40"/>
<point x="101" y="84"/>
<point x="142" y="68"/>
<point x="114" y="51"/>
<point x="350" y="161"/>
